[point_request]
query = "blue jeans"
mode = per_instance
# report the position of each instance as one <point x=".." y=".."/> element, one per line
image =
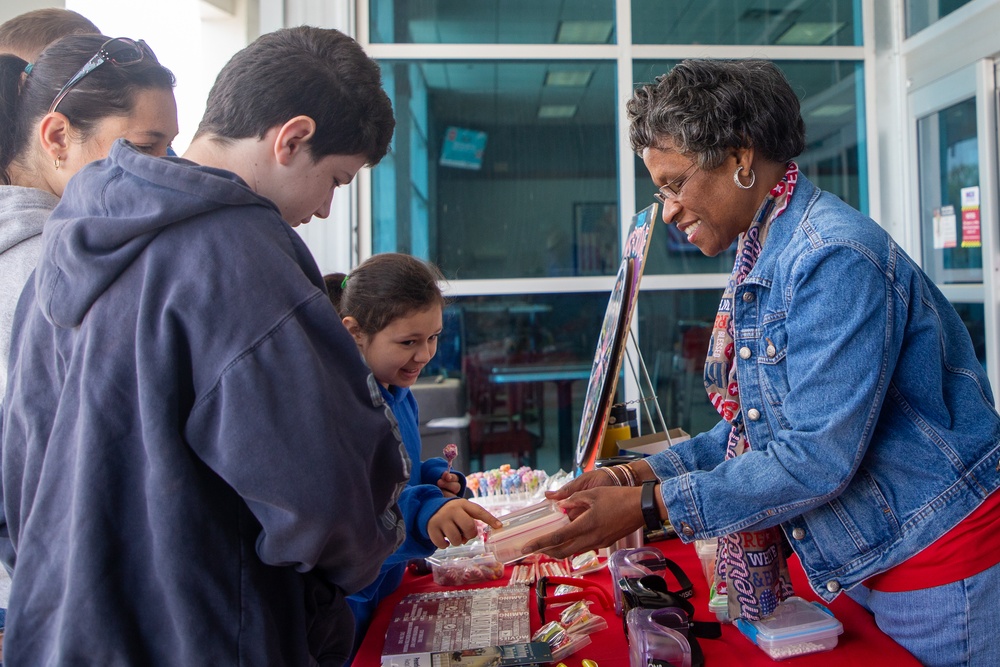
<point x="950" y="625"/>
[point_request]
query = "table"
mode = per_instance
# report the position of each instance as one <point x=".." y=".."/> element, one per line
<point x="862" y="642"/>
<point x="563" y="375"/>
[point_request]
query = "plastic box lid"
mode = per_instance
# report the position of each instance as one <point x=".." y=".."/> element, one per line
<point x="795" y="624"/>
<point x="521" y="527"/>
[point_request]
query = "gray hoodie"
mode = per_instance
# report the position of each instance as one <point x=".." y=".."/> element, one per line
<point x="23" y="212"/>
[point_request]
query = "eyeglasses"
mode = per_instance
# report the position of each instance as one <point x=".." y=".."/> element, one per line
<point x="588" y="589"/>
<point x="119" y="51"/>
<point x="673" y="188"/>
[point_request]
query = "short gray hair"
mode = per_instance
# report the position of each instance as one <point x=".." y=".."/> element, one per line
<point x="708" y="107"/>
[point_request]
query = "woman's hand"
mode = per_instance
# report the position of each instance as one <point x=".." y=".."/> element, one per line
<point x="455" y="523"/>
<point x="599" y="515"/>
<point x="450" y="484"/>
<point x="587" y="480"/>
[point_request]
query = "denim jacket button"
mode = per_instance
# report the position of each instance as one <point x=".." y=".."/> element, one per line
<point x="798" y="533"/>
<point x="770" y="351"/>
<point x="687" y="529"/>
<point x="747" y="297"/>
<point x="745" y="353"/>
<point x="833" y="586"/>
<point x="753" y="414"/>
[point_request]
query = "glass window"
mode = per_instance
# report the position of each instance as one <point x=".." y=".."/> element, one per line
<point x="525" y="361"/>
<point x="492" y="22"/>
<point x="922" y="13"/>
<point x="948" y="147"/>
<point x="674" y="328"/>
<point x="832" y="99"/>
<point x="501" y="169"/>
<point x="786" y="22"/>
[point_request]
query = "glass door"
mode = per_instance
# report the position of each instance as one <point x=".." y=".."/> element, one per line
<point x="954" y="135"/>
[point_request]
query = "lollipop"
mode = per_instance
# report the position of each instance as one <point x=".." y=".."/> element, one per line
<point x="450" y="453"/>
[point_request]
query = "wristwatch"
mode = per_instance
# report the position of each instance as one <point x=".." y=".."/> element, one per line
<point x="650" y="512"/>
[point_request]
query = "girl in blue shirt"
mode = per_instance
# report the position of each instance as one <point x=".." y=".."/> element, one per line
<point x="391" y="304"/>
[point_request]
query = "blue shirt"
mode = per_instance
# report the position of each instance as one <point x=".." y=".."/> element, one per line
<point x="418" y="502"/>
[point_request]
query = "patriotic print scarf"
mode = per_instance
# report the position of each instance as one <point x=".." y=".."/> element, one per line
<point x="750" y="567"/>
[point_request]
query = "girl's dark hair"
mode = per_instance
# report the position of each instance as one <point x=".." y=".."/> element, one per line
<point x="709" y="107"/>
<point x="107" y="91"/>
<point x="384" y="288"/>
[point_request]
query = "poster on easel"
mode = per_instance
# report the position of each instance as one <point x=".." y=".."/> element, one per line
<point x="611" y="343"/>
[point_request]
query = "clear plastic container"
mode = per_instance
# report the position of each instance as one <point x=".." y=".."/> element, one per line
<point x="521" y="527"/>
<point x="797" y="627"/>
<point x="465" y="564"/>
<point x="719" y="605"/>
<point x="706" y="550"/>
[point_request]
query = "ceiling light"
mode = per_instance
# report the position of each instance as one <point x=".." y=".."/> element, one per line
<point x="557" y="111"/>
<point x="569" y="78"/>
<point x="584" y="32"/>
<point x="809" y="33"/>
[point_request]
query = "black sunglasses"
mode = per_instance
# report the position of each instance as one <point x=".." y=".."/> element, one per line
<point x="588" y="589"/>
<point x="119" y="51"/>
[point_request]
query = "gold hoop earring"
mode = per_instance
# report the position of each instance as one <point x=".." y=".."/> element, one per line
<point x="736" y="179"/>
<point x="57" y="163"/>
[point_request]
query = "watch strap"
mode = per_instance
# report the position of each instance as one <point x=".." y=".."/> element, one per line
<point x="650" y="512"/>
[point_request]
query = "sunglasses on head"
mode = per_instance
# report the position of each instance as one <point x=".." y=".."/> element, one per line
<point x="119" y="51"/>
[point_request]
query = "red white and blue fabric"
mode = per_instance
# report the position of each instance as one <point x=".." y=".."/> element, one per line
<point x="750" y="568"/>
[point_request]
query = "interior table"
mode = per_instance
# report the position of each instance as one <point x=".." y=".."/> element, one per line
<point x="563" y="376"/>
<point x="861" y="643"/>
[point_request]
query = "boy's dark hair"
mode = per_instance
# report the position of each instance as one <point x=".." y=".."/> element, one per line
<point x="27" y="34"/>
<point x="384" y="288"/>
<point x="108" y="90"/>
<point x="304" y="71"/>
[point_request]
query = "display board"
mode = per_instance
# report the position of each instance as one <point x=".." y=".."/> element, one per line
<point x="611" y="343"/>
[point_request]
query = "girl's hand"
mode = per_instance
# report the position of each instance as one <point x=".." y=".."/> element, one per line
<point x="450" y="484"/>
<point x="455" y="523"/>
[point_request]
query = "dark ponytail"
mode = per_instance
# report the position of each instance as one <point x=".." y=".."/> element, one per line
<point x="11" y="79"/>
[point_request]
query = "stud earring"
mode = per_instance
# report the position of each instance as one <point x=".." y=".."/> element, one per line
<point x="57" y="163"/>
<point x="736" y="179"/>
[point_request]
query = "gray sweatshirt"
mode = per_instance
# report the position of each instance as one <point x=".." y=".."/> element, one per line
<point x="23" y="212"/>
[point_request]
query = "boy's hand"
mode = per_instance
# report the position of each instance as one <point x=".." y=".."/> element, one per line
<point x="450" y="484"/>
<point x="455" y="523"/>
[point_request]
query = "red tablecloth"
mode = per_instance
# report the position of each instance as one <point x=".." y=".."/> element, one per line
<point x="862" y="642"/>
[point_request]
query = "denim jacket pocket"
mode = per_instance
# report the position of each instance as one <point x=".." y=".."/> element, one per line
<point x="773" y="366"/>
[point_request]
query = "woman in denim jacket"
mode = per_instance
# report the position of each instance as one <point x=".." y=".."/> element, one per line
<point x="857" y="424"/>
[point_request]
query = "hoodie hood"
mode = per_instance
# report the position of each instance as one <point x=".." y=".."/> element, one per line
<point x="110" y="212"/>
<point x="21" y="210"/>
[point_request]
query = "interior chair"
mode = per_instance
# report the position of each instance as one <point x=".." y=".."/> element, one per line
<point x="497" y="414"/>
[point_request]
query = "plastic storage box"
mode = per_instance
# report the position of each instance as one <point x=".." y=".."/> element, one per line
<point x="797" y="627"/>
<point x="706" y="550"/>
<point x="465" y="564"/>
<point x="521" y="527"/>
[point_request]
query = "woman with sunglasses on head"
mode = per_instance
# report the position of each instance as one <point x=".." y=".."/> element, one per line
<point x="857" y="426"/>
<point x="56" y="115"/>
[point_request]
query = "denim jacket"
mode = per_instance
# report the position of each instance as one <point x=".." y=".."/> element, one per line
<point x="871" y="421"/>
